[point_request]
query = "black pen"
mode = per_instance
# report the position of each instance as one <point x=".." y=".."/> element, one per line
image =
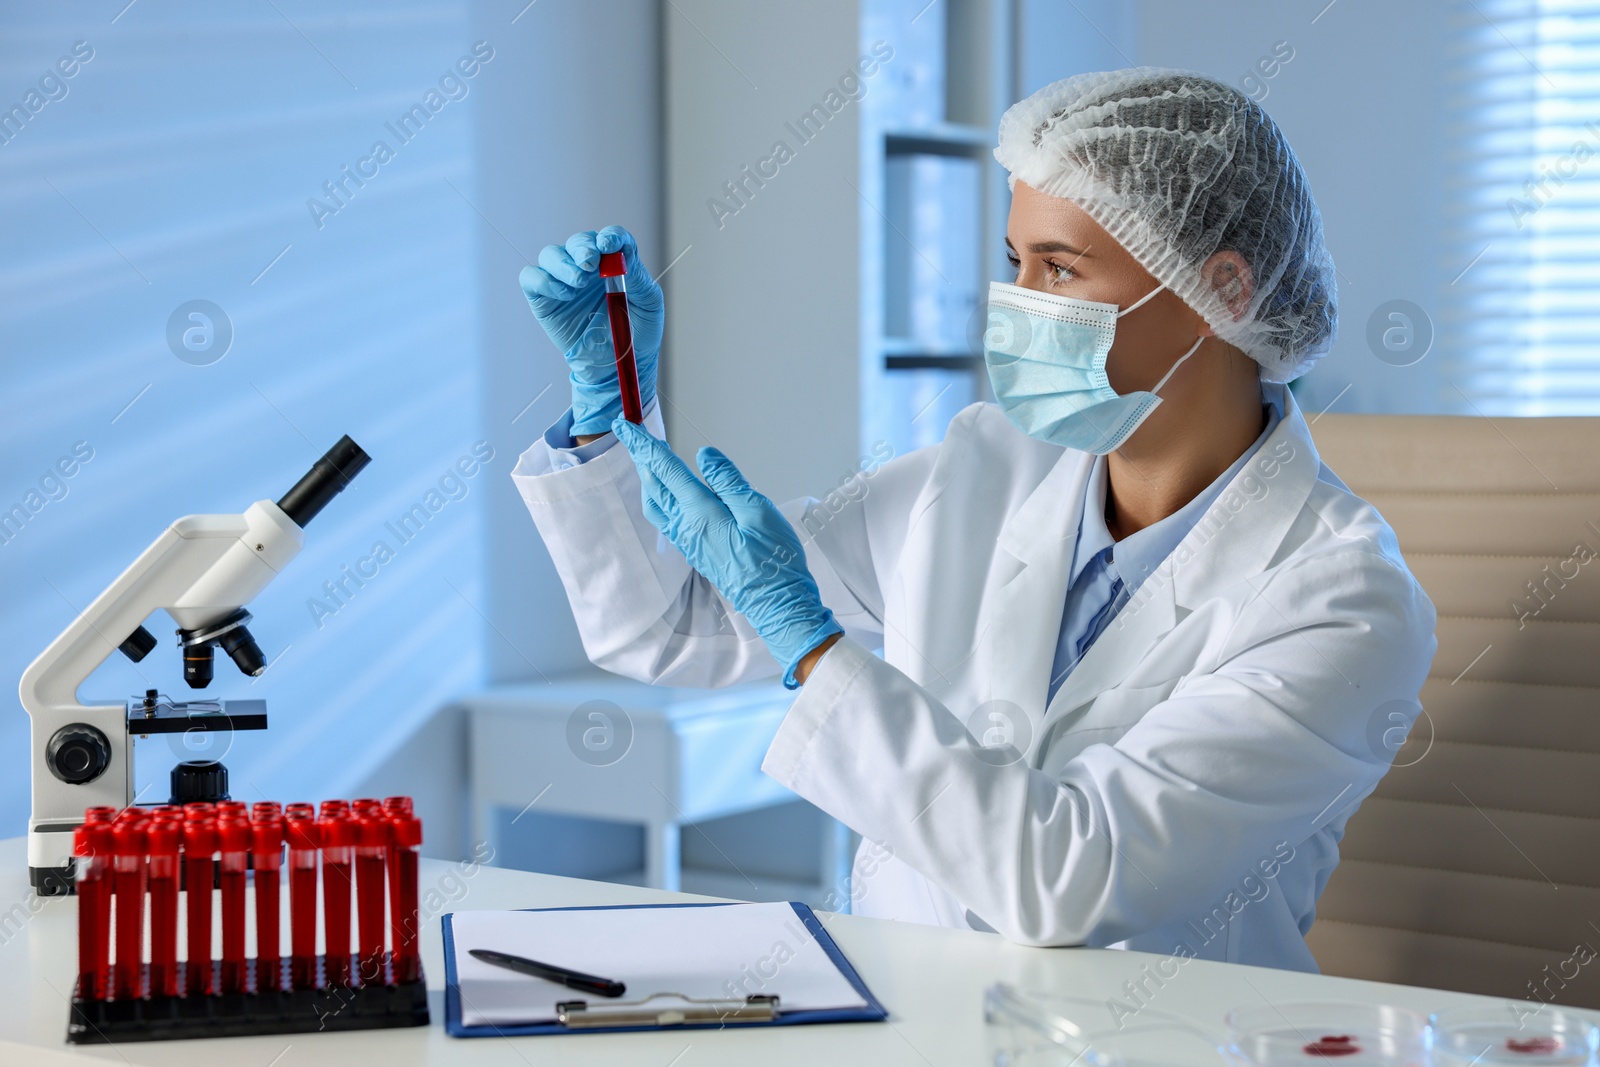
<point x="587" y="983"/>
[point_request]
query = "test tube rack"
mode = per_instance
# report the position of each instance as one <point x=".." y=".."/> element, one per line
<point x="354" y="864"/>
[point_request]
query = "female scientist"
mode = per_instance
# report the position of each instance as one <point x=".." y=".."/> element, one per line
<point x="1141" y="647"/>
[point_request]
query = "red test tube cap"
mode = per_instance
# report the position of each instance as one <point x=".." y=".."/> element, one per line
<point x="200" y="837"/>
<point x="372" y="832"/>
<point x="398" y="804"/>
<point x="196" y="809"/>
<point x="336" y="831"/>
<point x="99" y="814"/>
<point x="266" y="835"/>
<point x="163" y="837"/>
<point x="405" y="831"/>
<point x="128" y="837"/>
<point x="303" y="833"/>
<point x="612" y="265"/>
<point x="233" y="835"/>
<point x="231" y="807"/>
<point x="300" y="810"/>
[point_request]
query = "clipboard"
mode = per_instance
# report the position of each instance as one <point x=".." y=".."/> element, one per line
<point x="657" y="1009"/>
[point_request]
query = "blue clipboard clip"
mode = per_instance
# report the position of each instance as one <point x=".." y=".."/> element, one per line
<point x="673" y="1009"/>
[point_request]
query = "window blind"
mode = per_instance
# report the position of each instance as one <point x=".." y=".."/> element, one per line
<point x="1520" y="315"/>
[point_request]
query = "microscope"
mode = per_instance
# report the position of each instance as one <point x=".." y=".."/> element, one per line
<point x="202" y="571"/>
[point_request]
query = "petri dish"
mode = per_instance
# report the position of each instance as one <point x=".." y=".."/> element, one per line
<point x="1033" y="1029"/>
<point x="1346" y="1034"/>
<point x="1514" y="1033"/>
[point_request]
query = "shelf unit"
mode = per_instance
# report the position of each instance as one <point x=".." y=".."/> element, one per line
<point x="933" y="213"/>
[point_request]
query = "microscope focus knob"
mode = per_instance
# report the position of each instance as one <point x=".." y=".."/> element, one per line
<point x="78" y="753"/>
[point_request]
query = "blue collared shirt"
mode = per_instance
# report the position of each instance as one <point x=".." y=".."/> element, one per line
<point x="1106" y="573"/>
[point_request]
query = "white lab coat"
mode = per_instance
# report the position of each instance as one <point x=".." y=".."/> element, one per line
<point x="1184" y="792"/>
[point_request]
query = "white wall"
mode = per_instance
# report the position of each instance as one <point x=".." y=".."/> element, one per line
<point x="761" y="357"/>
<point x="1360" y="103"/>
<point x="569" y="138"/>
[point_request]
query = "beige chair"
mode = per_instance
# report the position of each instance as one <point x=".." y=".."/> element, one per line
<point x="1476" y="864"/>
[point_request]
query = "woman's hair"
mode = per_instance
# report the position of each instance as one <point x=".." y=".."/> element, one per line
<point x="1177" y="166"/>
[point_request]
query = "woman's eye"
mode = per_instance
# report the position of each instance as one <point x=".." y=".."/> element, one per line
<point x="1059" y="272"/>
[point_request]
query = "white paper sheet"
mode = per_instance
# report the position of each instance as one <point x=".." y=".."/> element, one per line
<point x="715" y="952"/>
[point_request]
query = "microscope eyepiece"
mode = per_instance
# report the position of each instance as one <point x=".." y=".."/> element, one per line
<point x="326" y="478"/>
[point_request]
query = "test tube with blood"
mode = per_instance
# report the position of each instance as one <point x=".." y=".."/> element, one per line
<point x="405" y="836"/>
<point x="91" y="845"/>
<point x="199" y="876"/>
<point x="163" y="839"/>
<point x="371" y="845"/>
<point x="613" y="270"/>
<point x="231" y="807"/>
<point x="233" y="841"/>
<point x="337" y="834"/>
<point x="393" y="806"/>
<point x="266" y="832"/>
<point x="303" y="842"/>
<point x="128" y="862"/>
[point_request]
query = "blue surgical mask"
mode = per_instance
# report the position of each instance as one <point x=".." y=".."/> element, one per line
<point x="1046" y="356"/>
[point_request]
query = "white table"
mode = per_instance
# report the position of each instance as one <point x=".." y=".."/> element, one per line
<point x="931" y="980"/>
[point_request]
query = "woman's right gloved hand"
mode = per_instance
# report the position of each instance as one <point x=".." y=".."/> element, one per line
<point x="569" y="300"/>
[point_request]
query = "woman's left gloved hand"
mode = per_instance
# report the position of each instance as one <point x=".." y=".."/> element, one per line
<point x="737" y="539"/>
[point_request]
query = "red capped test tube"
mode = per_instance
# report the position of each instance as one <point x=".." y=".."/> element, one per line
<point x="303" y="843"/>
<point x="199" y="876"/>
<point x="231" y="807"/>
<point x="613" y="270"/>
<point x="371" y="846"/>
<point x="266" y="833"/>
<point x="128" y="863"/>
<point x="405" y="837"/>
<point x="393" y="806"/>
<point x="91" y="847"/>
<point x="164" y="837"/>
<point x="337" y="833"/>
<point x="99" y="814"/>
<point x="233" y="848"/>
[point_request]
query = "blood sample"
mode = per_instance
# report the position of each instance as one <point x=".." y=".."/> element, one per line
<point x="303" y="842"/>
<point x="91" y="845"/>
<point x="128" y="861"/>
<point x="199" y="875"/>
<point x="233" y="841"/>
<point x="163" y="839"/>
<point x="337" y="833"/>
<point x="266" y="831"/>
<point x="405" y="835"/>
<point x="393" y="806"/>
<point x="613" y="270"/>
<point x="371" y="845"/>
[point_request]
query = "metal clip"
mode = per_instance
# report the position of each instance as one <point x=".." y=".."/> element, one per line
<point x="581" y="1015"/>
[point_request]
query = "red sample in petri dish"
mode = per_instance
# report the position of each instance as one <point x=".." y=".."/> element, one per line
<point x="1332" y="1046"/>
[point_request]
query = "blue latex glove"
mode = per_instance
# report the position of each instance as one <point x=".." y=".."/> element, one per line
<point x="737" y="539"/>
<point x="569" y="300"/>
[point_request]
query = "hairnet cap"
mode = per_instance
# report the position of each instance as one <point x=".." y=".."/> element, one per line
<point x="1177" y="166"/>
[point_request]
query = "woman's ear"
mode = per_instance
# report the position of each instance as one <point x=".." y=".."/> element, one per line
<point x="1230" y="279"/>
